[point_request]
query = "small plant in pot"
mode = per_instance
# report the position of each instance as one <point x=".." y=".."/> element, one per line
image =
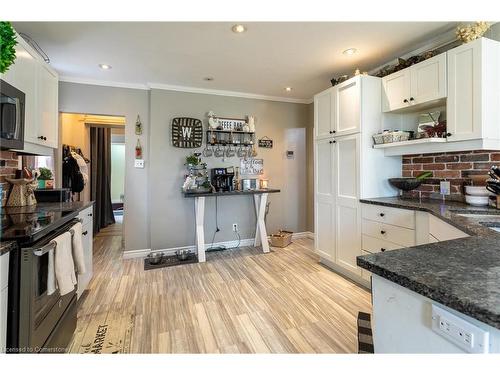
<point x="45" y="180"/>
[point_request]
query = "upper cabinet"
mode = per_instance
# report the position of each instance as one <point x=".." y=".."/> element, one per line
<point x="39" y="82"/>
<point x="474" y="91"/>
<point x="337" y="110"/>
<point x="416" y="86"/>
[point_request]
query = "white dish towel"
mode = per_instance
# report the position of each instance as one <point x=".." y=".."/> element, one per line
<point x="61" y="272"/>
<point x="78" y="248"/>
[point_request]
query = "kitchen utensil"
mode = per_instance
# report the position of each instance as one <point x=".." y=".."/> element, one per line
<point x="219" y="152"/>
<point x="496" y="170"/>
<point x="155" y="257"/>
<point x="476" y="200"/>
<point x="477" y="191"/>
<point x="182" y="254"/>
<point x="493" y="189"/>
<point x="207" y="152"/>
<point x="405" y="183"/>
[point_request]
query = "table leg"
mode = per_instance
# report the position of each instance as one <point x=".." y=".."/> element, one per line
<point x="199" y="206"/>
<point x="261" y="224"/>
<point x="256" y="199"/>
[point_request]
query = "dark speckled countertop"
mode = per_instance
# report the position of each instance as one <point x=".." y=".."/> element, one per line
<point x="463" y="274"/>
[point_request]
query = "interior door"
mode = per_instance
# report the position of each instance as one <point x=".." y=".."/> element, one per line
<point x="428" y="80"/>
<point x="347" y="106"/>
<point x="324" y="199"/>
<point x="347" y="206"/>
<point x="395" y="90"/>
<point x="464" y="92"/>
<point x="47" y="107"/>
<point x="323" y="114"/>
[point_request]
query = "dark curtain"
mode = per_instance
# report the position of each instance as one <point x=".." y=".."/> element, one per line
<point x="100" y="144"/>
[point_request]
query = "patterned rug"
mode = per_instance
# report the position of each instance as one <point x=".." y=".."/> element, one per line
<point x="365" y="339"/>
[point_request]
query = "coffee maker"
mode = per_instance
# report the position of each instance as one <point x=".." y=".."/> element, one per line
<point x="222" y="179"/>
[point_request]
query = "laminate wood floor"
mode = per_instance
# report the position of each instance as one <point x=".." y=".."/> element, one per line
<point x="239" y="301"/>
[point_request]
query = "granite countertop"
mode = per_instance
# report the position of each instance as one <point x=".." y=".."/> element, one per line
<point x="6" y="246"/>
<point x="462" y="274"/>
<point x="227" y="193"/>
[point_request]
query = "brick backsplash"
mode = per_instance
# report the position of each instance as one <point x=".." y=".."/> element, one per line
<point x="8" y="158"/>
<point x="456" y="167"/>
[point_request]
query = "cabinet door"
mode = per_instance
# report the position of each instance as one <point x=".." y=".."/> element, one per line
<point x="464" y="92"/>
<point x="347" y="106"/>
<point x="324" y="199"/>
<point x="428" y="80"/>
<point x="47" y="107"/>
<point x="396" y="90"/>
<point x="323" y="114"/>
<point x="347" y="206"/>
<point x="22" y="75"/>
<point x="87" y="238"/>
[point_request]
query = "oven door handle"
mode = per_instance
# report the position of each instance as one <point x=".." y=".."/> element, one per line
<point x="51" y="245"/>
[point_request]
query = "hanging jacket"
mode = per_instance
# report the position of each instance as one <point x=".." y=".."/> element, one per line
<point x="72" y="177"/>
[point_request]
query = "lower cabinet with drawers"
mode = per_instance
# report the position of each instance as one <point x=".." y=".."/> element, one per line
<point x="387" y="228"/>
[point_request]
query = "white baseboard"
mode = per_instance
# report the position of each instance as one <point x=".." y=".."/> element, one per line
<point x="143" y="253"/>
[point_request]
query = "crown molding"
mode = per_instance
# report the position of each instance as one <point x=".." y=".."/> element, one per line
<point x="194" y="90"/>
<point x="96" y="82"/>
<point x="236" y="94"/>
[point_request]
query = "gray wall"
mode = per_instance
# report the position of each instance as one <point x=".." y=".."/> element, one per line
<point x="172" y="216"/>
<point x="156" y="214"/>
<point x="310" y="167"/>
<point x="101" y="100"/>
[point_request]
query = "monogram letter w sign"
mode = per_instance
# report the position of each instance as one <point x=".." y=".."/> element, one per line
<point x="187" y="132"/>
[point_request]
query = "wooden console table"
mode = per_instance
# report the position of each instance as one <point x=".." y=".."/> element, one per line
<point x="260" y="200"/>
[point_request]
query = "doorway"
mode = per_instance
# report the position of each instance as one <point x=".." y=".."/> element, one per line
<point x="100" y="141"/>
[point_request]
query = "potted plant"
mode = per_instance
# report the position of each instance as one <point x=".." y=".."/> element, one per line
<point x="45" y="180"/>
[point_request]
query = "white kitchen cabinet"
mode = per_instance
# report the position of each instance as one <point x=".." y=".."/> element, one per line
<point x="347" y="101"/>
<point x="443" y="231"/>
<point x="417" y="85"/>
<point x="347" y="206"/>
<point x="347" y="168"/>
<point x="87" y="237"/>
<point x="323" y="114"/>
<point x="473" y="107"/>
<point x="39" y="82"/>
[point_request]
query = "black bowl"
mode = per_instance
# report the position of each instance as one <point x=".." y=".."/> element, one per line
<point x="405" y="184"/>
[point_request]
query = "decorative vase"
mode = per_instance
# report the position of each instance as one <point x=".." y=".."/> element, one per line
<point x="22" y="193"/>
<point x="41" y="184"/>
<point x="49" y="184"/>
<point x="251" y="124"/>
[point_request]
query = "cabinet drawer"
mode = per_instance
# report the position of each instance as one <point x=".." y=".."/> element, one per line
<point x="389" y="215"/>
<point x="443" y="231"/>
<point x="86" y="215"/>
<point x="4" y="270"/>
<point x="398" y="235"/>
<point x="376" y="245"/>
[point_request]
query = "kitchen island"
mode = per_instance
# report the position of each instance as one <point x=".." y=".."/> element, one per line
<point x="442" y="296"/>
<point x="260" y="201"/>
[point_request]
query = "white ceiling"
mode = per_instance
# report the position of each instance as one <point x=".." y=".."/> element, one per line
<point x="263" y="60"/>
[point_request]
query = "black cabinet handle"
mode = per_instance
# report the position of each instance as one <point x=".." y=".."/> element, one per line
<point x="85" y="233"/>
<point x="42" y="138"/>
<point x="382" y="214"/>
<point x="382" y="249"/>
<point x="334" y="131"/>
<point x="405" y="101"/>
<point x="90" y="214"/>
<point x="412" y="99"/>
<point x="333" y="141"/>
<point x="382" y="232"/>
<point x="331" y="131"/>
<point x="448" y="134"/>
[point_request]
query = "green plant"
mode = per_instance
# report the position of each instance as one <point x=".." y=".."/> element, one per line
<point x="45" y="174"/>
<point x="7" y="44"/>
<point x="192" y="159"/>
<point x="424" y="175"/>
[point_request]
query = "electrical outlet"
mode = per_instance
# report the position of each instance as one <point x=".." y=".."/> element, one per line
<point x="139" y="163"/>
<point x="235" y="227"/>
<point x="444" y="187"/>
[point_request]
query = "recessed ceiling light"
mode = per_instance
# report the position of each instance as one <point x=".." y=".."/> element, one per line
<point x="350" y="51"/>
<point x="105" y="66"/>
<point x="208" y="78"/>
<point x="238" y="29"/>
<point x="288" y="89"/>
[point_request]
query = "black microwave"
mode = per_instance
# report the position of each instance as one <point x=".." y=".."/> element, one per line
<point x="11" y="117"/>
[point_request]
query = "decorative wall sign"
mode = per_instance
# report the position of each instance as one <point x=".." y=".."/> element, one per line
<point x="252" y="166"/>
<point x="265" y="142"/>
<point x="138" y="126"/>
<point x="187" y="132"/>
<point x="230" y="123"/>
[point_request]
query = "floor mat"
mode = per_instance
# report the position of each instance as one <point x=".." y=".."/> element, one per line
<point x="365" y="338"/>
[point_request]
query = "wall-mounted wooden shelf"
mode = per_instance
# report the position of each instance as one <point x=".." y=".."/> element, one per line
<point x="411" y="142"/>
<point x="227" y="137"/>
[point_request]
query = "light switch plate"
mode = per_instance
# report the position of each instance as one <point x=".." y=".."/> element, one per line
<point x="139" y="163"/>
<point x="444" y="187"/>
